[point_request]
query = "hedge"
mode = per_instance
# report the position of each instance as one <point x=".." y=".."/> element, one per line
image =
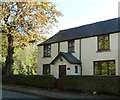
<point x="91" y="84"/>
<point x="42" y="81"/>
<point x="87" y="84"/>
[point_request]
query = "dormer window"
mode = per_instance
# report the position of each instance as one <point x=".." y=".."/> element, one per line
<point x="71" y="46"/>
<point x="103" y="43"/>
<point x="47" y="50"/>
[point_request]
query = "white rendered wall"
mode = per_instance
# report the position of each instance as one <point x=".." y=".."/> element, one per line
<point x="77" y="49"/>
<point x="39" y="57"/>
<point x="64" y="46"/>
<point x="118" y="53"/>
<point x="55" y="68"/>
<point x="89" y="53"/>
<point x="46" y="60"/>
<point x="54" y="52"/>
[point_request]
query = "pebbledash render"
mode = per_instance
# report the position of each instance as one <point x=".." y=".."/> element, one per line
<point x="92" y="49"/>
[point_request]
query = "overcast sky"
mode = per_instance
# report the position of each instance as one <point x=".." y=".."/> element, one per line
<point x="81" y="12"/>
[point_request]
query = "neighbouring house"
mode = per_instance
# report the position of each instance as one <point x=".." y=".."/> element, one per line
<point x="92" y="49"/>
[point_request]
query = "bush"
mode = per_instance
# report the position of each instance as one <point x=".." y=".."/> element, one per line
<point x="88" y="84"/>
<point x="91" y="84"/>
<point x="42" y="81"/>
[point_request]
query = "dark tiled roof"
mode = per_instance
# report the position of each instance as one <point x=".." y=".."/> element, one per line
<point x="95" y="29"/>
<point x="68" y="56"/>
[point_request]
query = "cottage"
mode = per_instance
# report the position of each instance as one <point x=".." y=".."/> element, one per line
<point x="92" y="49"/>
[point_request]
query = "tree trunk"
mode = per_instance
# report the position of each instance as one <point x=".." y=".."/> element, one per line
<point x="9" y="58"/>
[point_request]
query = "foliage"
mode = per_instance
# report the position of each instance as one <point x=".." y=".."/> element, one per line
<point x="22" y="23"/>
<point x="28" y="18"/>
<point x="4" y="47"/>
<point x="3" y="52"/>
<point x="25" y="60"/>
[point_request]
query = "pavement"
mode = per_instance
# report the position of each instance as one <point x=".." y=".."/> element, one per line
<point x="57" y="94"/>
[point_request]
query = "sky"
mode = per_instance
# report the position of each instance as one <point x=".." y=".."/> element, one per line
<point x="81" y="12"/>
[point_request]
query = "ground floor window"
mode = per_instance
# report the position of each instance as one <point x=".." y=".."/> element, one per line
<point x="46" y="69"/>
<point x="104" y="67"/>
<point x="76" y="69"/>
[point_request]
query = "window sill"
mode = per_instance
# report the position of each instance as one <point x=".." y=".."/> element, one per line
<point x="104" y="75"/>
<point x="103" y="51"/>
<point x="76" y="72"/>
<point x="71" y="51"/>
<point x="46" y="57"/>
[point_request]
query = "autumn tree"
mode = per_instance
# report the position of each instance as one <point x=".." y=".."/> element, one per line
<point x="24" y="22"/>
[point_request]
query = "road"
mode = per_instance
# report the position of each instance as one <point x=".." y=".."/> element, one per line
<point x="53" y="95"/>
<point x="17" y="95"/>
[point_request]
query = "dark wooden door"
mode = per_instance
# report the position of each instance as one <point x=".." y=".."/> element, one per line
<point x="62" y="70"/>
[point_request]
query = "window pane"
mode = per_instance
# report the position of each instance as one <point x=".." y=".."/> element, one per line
<point x="112" y="68"/>
<point x="100" y="45"/>
<point x="97" y="69"/>
<point x="47" y="50"/>
<point x="71" y="46"/>
<point x="104" y="68"/>
<point x="103" y="42"/>
<point x="46" y="69"/>
<point x="76" y="69"/>
<point x="106" y="42"/>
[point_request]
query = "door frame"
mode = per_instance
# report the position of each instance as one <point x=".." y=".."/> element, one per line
<point x="60" y="70"/>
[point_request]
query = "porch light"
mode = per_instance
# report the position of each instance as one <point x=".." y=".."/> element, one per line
<point x="68" y="68"/>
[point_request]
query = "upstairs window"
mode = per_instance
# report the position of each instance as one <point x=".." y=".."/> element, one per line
<point x="103" y="43"/>
<point x="47" y="50"/>
<point x="71" y="46"/>
<point x="104" y="67"/>
<point x="46" y="69"/>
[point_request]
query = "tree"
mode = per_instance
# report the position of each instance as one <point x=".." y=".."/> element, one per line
<point x="3" y="52"/>
<point x="25" y="60"/>
<point x="23" y="22"/>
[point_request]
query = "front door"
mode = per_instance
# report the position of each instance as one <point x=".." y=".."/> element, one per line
<point x="62" y="70"/>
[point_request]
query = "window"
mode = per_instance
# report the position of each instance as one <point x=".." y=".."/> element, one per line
<point x="58" y="47"/>
<point x="103" y="42"/>
<point x="76" y="69"/>
<point x="47" y="50"/>
<point x="46" y="69"/>
<point x="104" y="67"/>
<point x="71" y="46"/>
